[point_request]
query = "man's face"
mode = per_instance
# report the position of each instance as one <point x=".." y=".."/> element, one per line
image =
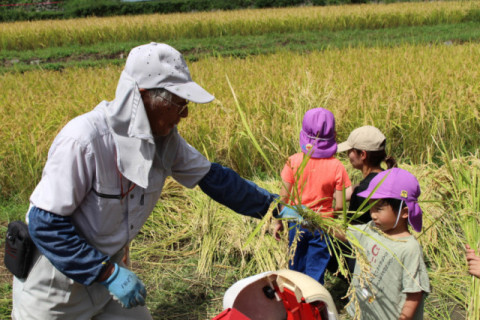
<point x="163" y="114"/>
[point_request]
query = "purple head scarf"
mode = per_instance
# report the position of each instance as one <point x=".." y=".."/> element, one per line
<point x="317" y="137"/>
<point x="398" y="184"/>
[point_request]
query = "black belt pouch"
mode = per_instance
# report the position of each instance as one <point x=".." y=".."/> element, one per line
<point x="19" y="249"/>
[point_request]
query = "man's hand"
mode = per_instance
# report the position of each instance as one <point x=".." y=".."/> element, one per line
<point x="126" y="287"/>
<point x="473" y="262"/>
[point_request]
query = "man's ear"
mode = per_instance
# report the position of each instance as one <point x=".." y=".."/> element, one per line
<point x="145" y="96"/>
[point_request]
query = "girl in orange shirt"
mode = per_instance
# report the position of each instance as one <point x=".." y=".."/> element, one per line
<point x="320" y="184"/>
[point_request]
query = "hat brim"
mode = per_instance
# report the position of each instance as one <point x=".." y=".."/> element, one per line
<point x="190" y="91"/>
<point x="375" y="196"/>
<point x="344" y="146"/>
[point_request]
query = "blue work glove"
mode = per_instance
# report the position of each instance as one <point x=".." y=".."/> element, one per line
<point x="289" y="213"/>
<point x="126" y="287"/>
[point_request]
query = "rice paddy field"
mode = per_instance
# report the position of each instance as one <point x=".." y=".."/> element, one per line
<point x="421" y="91"/>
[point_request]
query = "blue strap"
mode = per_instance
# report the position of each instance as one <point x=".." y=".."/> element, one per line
<point x="242" y="196"/>
<point x="56" y="238"/>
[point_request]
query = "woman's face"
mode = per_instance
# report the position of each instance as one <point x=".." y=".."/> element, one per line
<point x="356" y="159"/>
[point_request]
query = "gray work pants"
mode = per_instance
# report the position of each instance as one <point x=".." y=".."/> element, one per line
<point x="48" y="294"/>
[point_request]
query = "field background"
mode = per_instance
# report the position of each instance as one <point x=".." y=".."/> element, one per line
<point x="410" y="69"/>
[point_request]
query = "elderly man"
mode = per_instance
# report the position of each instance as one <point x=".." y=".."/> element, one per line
<point x="104" y="174"/>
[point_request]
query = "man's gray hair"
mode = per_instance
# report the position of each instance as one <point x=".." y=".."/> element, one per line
<point x="160" y="93"/>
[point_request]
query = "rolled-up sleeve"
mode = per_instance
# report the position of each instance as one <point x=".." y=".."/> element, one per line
<point x="190" y="166"/>
<point x="55" y="236"/>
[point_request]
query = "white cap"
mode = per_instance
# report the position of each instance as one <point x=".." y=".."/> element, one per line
<point x="366" y="138"/>
<point x="158" y="65"/>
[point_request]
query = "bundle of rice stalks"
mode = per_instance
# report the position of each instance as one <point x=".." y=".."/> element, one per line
<point x="462" y="186"/>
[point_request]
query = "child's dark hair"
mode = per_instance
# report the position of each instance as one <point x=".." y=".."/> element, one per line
<point x="394" y="203"/>
<point x="375" y="158"/>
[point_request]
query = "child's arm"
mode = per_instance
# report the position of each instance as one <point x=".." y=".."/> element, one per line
<point x="339" y="234"/>
<point x="473" y="262"/>
<point x="338" y="196"/>
<point x="411" y="304"/>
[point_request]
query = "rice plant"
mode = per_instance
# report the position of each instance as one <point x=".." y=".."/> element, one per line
<point x="463" y="187"/>
<point x="410" y="92"/>
<point x="162" y="27"/>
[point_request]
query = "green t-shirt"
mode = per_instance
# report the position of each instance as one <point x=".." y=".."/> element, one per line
<point x="391" y="281"/>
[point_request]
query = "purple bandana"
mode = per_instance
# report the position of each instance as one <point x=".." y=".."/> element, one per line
<point x="402" y="185"/>
<point x="317" y="137"/>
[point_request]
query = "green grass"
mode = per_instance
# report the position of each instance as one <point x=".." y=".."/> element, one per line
<point x="217" y="24"/>
<point x="240" y="46"/>
<point x="14" y="209"/>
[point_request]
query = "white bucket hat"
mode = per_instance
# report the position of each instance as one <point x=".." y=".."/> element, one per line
<point x="158" y="65"/>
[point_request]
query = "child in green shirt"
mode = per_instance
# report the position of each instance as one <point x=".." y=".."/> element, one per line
<point x="398" y="276"/>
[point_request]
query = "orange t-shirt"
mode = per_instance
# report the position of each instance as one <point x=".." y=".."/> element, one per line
<point x="320" y="178"/>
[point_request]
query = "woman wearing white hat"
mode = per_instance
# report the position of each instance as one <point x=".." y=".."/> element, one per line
<point x="366" y="151"/>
